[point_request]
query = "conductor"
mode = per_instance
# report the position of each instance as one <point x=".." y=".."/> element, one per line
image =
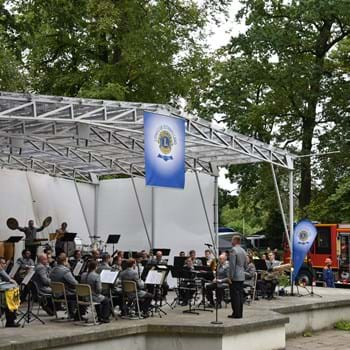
<point x="237" y="266"/>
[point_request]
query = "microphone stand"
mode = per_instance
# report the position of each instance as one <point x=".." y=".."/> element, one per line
<point x="216" y="257"/>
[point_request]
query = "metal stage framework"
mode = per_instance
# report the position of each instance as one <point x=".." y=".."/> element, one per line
<point x="83" y="139"/>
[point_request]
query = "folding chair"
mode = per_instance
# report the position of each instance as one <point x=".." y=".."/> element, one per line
<point x="84" y="298"/>
<point x="107" y="292"/>
<point x="41" y="296"/>
<point x="130" y="292"/>
<point x="59" y="296"/>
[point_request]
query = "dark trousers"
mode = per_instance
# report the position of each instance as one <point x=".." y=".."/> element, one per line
<point x="210" y="288"/>
<point x="10" y="316"/>
<point x="237" y="298"/>
<point x="104" y="309"/>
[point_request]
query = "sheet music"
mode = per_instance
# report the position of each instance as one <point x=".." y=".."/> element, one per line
<point x="78" y="268"/>
<point x="14" y="270"/>
<point x="108" y="276"/>
<point x="154" y="277"/>
<point x="28" y="276"/>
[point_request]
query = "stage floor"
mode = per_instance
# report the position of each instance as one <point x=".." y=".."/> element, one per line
<point x="259" y="315"/>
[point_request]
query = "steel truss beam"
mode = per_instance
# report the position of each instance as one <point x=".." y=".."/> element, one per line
<point x="75" y="138"/>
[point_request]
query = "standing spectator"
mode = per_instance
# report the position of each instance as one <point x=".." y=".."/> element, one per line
<point x="327" y="273"/>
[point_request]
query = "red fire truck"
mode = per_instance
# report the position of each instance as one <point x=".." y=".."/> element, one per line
<point x="332" y="241"/>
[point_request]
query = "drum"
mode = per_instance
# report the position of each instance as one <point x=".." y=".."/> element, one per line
<point x="7" y="250"/>
<point x="12" y="223"/>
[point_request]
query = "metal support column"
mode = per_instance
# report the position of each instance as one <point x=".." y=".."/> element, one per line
<point x="206" y="213"/>
<point x="291" y="224"/>
<point x="141" y="211"/>
<point x="280" y="204"/>
<point x="83" y="210"/>
<point x="153" y="218"/>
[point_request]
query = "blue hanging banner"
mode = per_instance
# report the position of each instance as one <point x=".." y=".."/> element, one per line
<point x="304" y="235"/>
<point x="164" y="150"/>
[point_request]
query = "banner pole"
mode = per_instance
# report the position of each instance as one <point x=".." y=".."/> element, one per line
<point x="291" y="226"/>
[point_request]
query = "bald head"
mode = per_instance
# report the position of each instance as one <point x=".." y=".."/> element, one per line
<point x="43" y="259"/>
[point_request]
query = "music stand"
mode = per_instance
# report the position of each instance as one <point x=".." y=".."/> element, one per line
<point x="129" y="255"/>
<point x="165" y="251"/>
<point x="68" y="237"/>
<point x="113" y="239"/>
<point x="29" y="316"/>
<point x="14" y="240"/>
<point x="179" y="261"/>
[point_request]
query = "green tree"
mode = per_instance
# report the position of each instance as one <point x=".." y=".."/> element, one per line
<point x="136" y="50"/>
<point x="284" y="81"/>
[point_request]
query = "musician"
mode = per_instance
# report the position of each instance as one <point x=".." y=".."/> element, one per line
<point x="4" y="277"/>
<point x="269" y="281"/>
<point x="238" y="264"/>
<point x="42" y="279"/>
<point x="209" y="256"/>
<point x="75" y="259"/>
<point x="182" y="254"/>
<point x="105" y="263"/>
<point x="187" y="286"/>
<point x="158" y="259"/>
<point x="30" y="232"/>
<point x="62" y="273"/>
<point x="95" y="255"/>
<point x="130" y="274"/>
<point x="51" y="260"/>
<point x="195" y="261"/>
<point x="117" y="263"/>
<point x="25" y="263"/>
<point x="249" y="272"/>
<point x="139" y="266"/>
<point x="218" y="284"/>
<point x="60" y="244"/>
<point x="92" y="278"/>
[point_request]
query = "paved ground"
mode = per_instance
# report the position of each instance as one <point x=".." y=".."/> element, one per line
<point x="327" y="340"/>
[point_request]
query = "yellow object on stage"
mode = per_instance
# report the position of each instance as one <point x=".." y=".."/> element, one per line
<point x="12" y="299"/>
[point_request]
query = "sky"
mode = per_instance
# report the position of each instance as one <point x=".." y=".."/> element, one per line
<point x="220" y="37"/>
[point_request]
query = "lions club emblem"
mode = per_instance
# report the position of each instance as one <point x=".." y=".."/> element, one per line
<point x="303" y="236"/>
<point x="166" y="140"/>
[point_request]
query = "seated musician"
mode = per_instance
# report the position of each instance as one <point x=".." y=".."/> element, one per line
<point x="182" y="254"/>
<point x="158" y="259"/>
<point x="269" y="280"/>
<point x="75" y="259"/>
<point x="25" y="263"/>
<point x="60" y="244"/>
<point x="117" y="263"/>
<point x="92" y="278"/>
<point x="195" y="261"/>
<point x="95" y="255"/>
<point x="42" y="279"/>
<point x="105" y="263"/>
<point x="62" y="273"/>
<point x="209" y="257"/>
<point x="4" y="277"/>
<point x="187" y="285"/>
<point x="51" y="260"/>
<point x="249" y="273"/>
<point x="130" y="274"/>
<point x="220" y="283"/>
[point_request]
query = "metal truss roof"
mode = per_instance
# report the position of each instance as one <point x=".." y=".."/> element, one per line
<point x="84" y="138"/>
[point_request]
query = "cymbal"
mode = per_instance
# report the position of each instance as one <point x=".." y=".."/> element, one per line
<point x="47" y="221"/>
<point x="12" y="223"/>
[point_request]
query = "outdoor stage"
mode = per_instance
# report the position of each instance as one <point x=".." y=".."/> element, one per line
<point x="265" y="325"/>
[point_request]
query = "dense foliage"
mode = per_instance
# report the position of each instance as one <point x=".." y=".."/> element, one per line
<point x="285" y="81"/>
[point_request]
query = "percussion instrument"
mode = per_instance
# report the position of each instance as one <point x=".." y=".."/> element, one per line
<point x="7" y="250"/>
<point x="12" y="223"/>
<point x="47" y="221"/>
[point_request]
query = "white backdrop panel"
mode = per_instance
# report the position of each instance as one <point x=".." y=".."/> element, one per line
<point x="180" y="218"/>
<point x="118" y="212"/>
<point x="87" y="196"/>
<point x="58" y="198"/>
<point x="15" y="201"/>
